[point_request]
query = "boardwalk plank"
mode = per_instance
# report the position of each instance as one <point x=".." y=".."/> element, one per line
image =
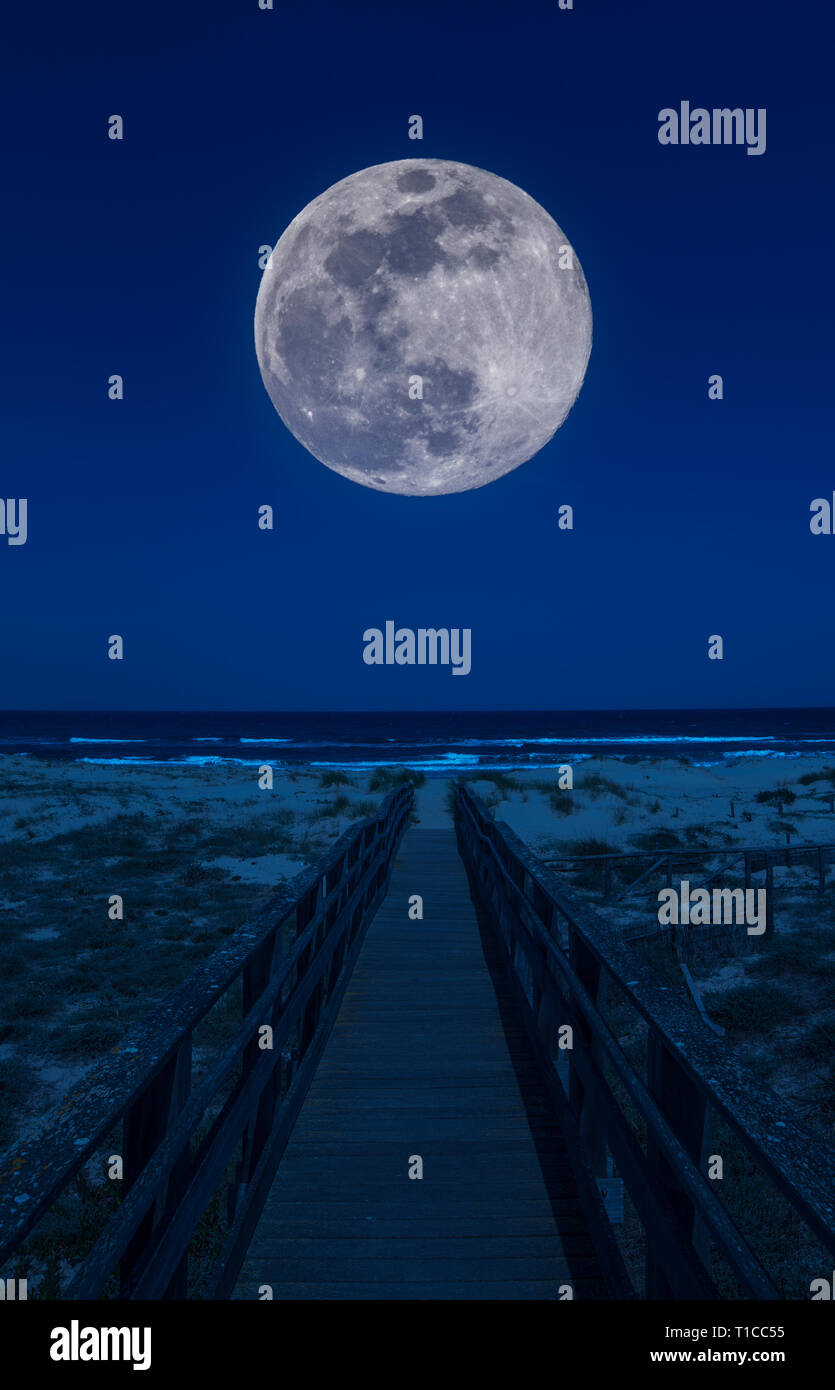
<point x="419" y="1062"/>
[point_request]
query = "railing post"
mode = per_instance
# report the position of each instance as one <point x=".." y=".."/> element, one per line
<point x="688" y="1115"/>
<point x="309" y="1018"/>
<point x="587" y="967"/>
<point x="256" y="976"/>
<point x="145" y="1125"/>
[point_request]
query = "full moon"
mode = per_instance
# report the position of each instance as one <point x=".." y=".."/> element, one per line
<point x="423" y="327"/>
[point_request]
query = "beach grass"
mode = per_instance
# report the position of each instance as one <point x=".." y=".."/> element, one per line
<point x="752" y="1009"/>
<point x="657" y="839"/>
<point x="387" y="779"/>
<point x="595" y="784"/>
<point x="78" y="981"/>
<point x="334" y="778"/>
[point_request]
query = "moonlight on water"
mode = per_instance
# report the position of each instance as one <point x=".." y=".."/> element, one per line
<point x="423" y="327"/>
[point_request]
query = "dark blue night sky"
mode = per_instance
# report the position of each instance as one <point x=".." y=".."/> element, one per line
<point x="140" y="257"/>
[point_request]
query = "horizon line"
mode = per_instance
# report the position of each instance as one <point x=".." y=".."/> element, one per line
<point x="589" y="709"/>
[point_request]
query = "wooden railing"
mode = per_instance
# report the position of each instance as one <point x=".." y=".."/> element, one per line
<point x="656" y="1123"/>
<point x="178" y="1144"/>
<point x="757" y="859"/>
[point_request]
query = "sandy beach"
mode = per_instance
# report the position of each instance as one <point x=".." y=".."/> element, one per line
<point x="195" y="851"/>
<point x="612" y="798"/>
<point x="618" y="802"/>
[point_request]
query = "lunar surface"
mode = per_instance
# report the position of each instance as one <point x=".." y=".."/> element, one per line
<point x="428" y="269"/>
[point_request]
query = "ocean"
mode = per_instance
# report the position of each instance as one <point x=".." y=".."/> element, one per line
<point x="434" y="743"/>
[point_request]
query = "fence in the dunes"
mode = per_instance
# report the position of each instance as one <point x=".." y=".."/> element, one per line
<point x="185" y="1141"/>
<point x="662" y="865"/>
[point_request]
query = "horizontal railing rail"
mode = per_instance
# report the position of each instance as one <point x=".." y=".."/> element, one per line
<point x="174" y="1151"/>
<point x="755" y="859"/>
<point x="562" y="959"/>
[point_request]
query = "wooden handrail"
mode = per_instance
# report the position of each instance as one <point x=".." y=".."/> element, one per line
<point x="756" y="860"/>
<point x="685" y="852"/>
<point x="560" y="956"/>
<point x="167" y="1187"/>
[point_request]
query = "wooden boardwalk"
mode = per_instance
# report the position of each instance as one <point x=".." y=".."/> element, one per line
<point x="427" y="1058"/>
